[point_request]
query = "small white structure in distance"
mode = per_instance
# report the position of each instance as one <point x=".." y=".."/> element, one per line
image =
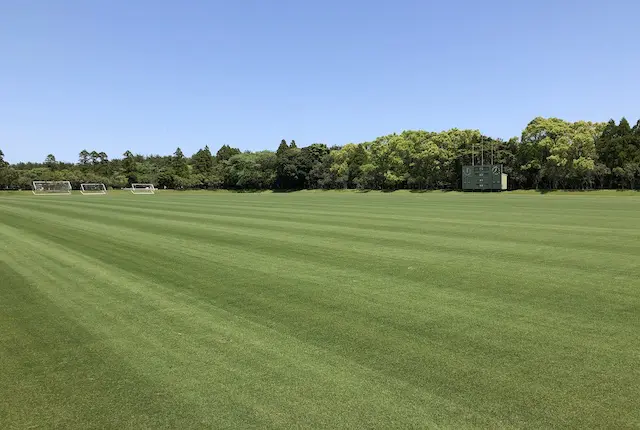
<point x="143" y="189"/>
<point x="44" y="188"/>
<point x="93" y="189"/>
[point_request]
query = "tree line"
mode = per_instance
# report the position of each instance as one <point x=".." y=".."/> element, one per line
<point x="550" y="154"/>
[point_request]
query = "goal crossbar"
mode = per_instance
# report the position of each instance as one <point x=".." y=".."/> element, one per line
<point x="43" y="188"/>
<point x="143" y="189"/>
<point x="93" y="189"/>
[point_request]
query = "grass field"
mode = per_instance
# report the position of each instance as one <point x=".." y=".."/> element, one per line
<point x="320" y="310"/>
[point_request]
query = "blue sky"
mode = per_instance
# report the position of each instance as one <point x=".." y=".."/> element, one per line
<point x="150" y="76"/>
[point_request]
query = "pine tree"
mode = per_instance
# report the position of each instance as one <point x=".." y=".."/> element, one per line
<point x="179" y="164"/>
<point x="202" y="161"/>
<point x="226" y="152"/>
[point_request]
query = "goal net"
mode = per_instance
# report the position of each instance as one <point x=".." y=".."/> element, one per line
<point x="143" y="189"/>
<point x="41" y="188"/>
<point x="93" y="189"/>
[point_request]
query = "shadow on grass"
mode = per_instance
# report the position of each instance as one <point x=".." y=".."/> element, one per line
<point x="541" y="191"/>
<point x="544" y="191"/>
<point x="437" y="190"/>
<point x="250" y="190"/>
<point x="559" y="190"/>
<point x="280" y="191"/>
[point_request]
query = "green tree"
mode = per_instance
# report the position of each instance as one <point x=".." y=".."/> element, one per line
<point x="624" y="129"/>
<point x="346" y="165"/>
<point x="215" y="179"/>
<point x="202" y="161"/>
<point x="103" y="167"/>
<point x="288" y="173"/>
<point x="282" y="148"/>
<point x="51" y="162"/>
<point x="254" y="171"/>
<point x="83" y="157"/>
<point x="7" y="175"/>
<point x="310" y="164"/>
<point x="185" y="183"/>
<point x="93" y="157"/>
<point x="385" y="169"/>
<point x="618" y="148"/>
<point x="165" y="178"/>
<point x="226" y="152"/>
<point x="422" y="157"/>
<point x="627" y="174"/>
<point x="179" y="164"/>
<point x="551" y="153"/>
<point x="556" y="153"/>
<point x="129" y="167"/>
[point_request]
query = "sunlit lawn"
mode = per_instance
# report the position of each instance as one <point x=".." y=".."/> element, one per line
<point x="320" y="309"/>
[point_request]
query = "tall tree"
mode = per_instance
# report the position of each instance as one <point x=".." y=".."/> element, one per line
<point x="179" y="164"/>
<point x="346" y="168"/>
<point x="423" y="158"/>
<point x="93" y="156"/>
<point x="50" y="161"/>
<point x="8" y="176"/>
<point x="83" y="157"/>
<point x="226" y="152"/>
<point x="311" y="158"/>
<point x="618" y="148"/>
<point x="129" y="167"/>
<point x="624" y="129"/>
<point x="385" y="169"/>
<point x="288" y="173"/>
<point x="202" y="161"/>
<point x="282" y="148"/>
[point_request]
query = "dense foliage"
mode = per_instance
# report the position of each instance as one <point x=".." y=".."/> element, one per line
<point x="551" y="153"/>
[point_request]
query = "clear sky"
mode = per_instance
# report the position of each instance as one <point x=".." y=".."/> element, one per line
<point x="152" y="75"/>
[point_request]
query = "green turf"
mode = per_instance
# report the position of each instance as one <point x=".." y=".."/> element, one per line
<point x="320" y="310"/>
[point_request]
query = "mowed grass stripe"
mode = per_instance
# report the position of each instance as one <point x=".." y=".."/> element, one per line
<point x="458" y="343"/>
<point x="400" y="253"/>
<point x="486" y="242"/>
<point x="56" y="373"/>
<point x="305" y="267"/>
<point x="622" y="223"/>
<point x="568" y="244"/>
<point x="458" y="364"/>
<point x="596" y="309"/>
<point x="154" y="323"/>
<point x="425" y="272"/>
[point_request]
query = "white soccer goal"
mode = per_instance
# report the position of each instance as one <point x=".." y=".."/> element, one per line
<point x="143" y="189"/>
<point x="43" y="188"/>
<point x="93" y="189"/>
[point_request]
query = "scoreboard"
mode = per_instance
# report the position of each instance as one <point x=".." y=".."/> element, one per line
<point x="487" y="177"/>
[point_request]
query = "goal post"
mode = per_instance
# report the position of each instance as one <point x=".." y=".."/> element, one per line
<point x="143" y="189"/>
<point x="93" y="189"/>
<point x="43" y="188"/>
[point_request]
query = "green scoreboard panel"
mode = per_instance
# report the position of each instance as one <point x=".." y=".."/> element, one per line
<point x="484" y="177"/>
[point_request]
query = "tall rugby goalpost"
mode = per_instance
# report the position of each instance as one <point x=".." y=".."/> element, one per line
<point x="143" y="189"/>
<point x="44" y="188"/>
<point x="93" y="189"/>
